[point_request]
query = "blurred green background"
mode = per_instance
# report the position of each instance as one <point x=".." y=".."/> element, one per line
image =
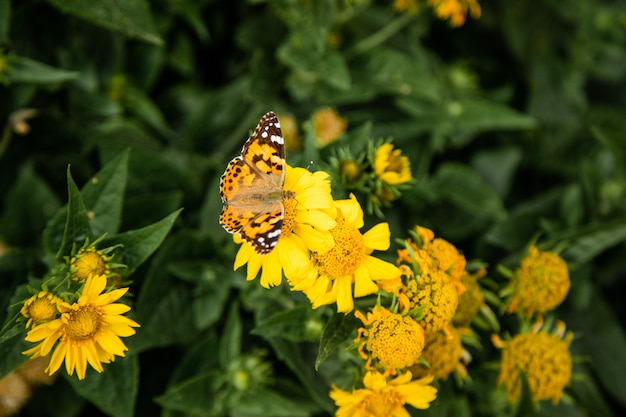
<point x="514" y="122"/>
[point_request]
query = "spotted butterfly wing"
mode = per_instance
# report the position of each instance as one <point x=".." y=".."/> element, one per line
<point x="251" y="187"/>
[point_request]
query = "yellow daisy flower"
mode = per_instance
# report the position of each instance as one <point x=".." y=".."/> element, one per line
<point x="383" y="398"/>
<point x="543" y="357"/>
<point x="328" y="125"/>
<point x="88" y="331"/>
<point x="40" y="308"/>
<point x="88" y="262"/>
<point x="390" y="166"/>
<point x="444" y="353"/>
<point x="392" y="341"/>
<point x="348" y="262"/>
<point x="309" y="215"/>
<point x="540" y="284"/>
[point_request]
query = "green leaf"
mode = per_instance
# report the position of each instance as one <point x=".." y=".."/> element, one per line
<point x="300" y="358"/>
<point x="28" y="206"/>
<point x="139" y="244"/>
<point x="104" y="194"/>
<point x="230" y="343"/>
<point x="290" y="324"/>
<point x="12" y="344"/>
<point x="77" y="227"/>
<point x="463" y="187"/>
<point x="605" y="343"/>
<point x="264" y="402"/>
<point x="338" y="330"/>
<point x="593" y="240"/>
<point x="130" y="17"/>
<point x="113" y="391"/>
<point x="26" y="70"/>
<point x="197" y="396"/>
<point x="5" y="20"/>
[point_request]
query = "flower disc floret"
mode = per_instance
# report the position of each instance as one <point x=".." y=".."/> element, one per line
<point x="541" y="283"/>
<point x="443" y="352"/>
<point x="389" y="341"/>
<point x="88" y="262"/>
<point x="545" y="360"/>
<point x="40" y="308"/>
<point x="437" y="294"/>
<point x="384" y="398"/>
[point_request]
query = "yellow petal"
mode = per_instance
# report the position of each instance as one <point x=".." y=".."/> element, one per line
<point x="378" y="237"/>
<point x="379" y="269"/>
<point x="345" y="302"/>
<point x="363" y="284"/>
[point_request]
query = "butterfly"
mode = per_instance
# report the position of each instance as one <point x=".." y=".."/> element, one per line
<point x="252" y="187"/>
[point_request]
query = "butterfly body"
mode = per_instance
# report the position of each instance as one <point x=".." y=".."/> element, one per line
<point x="251" y="188"/>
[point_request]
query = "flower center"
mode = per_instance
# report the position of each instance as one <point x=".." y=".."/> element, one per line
<point x="289" y="220"/>
<point x="396" y="341"/>
<point x="89" y="263"/>
<point x="380" y="404"/>
<point x="346" y="256"/>
<point x="83" y="323"/>
<point x="42" y="309"/>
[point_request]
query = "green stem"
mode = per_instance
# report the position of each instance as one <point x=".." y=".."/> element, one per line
<point x="381" y="36"/>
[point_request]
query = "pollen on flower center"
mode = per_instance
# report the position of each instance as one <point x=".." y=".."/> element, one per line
<point x="396" y="341"/>
<point x="381" y="404"/>
<point x="83" y="323"/>
<point x="289" y="220"/>
<point x="344" y="258"/>
<point x="90" y="262"/>
<point x="42" y="309"/>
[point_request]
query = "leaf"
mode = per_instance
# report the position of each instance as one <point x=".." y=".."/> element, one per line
<point x="104" y="194"/>
<point x="195" y="396"/>
<point x="605" y="342"/>
<point x="113" y="391"/>
<point x="300" y="357"/>
<point x="139" y="244"/>
<point x="12" y="344"/>
<point x="289" y="324"/>
<point x="593" y="240"/>
<point x="130" y="17"/>
<point x="27" y="207"/>
<point x="26" y="70"/>
<point x="463" y="187"/>
<point x="77" y="227"/>
<point x="339" y="328"/>
<point x="230" y="343"/>
<point x="264" y="402"/>
<point x="5" y="19"/>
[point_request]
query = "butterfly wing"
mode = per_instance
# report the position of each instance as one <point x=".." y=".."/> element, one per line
<point x="251" y="187"/>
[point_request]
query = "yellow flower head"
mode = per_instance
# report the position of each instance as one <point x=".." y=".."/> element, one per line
<point x="40" y="308"/>
<point x="471" y="300"/>
<point x="391" y="166"/>
<point x="348" y="261"/>
<point x="383" y="398"/>
<point x="351" y="170"/>
<point x="328" y="125"/>
<point x="309" y="215"/>
<point x="88" y="331"/>
<point x="544" y="358"/>
<point x="455" y="10"/>
<point x="541" y="283"/>
<point x="392" y="341"/>
<point x="443" y="352"/>
<point x="87" y="262"/>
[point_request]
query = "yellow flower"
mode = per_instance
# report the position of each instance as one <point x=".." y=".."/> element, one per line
<point x="309" y="215"/>
<point x="444" y="353"/>
<point x="541" y="283"/>
<point x="88" y="331"/>
<point x="348" y="262"/>
<point x="328" y="125"/>
<point x="545" y="360"/>
<point x="455" y="10"/>
<point x="393" y="341"/>
<point x="471" y="301"/>
<point x="383" y="398"/>
<point x="89" y="262"/>
<point x="40" y="308"/>
<point x="405" y="5"/>
<point x="351" y="170"/>
<point x="390" y="166"/>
